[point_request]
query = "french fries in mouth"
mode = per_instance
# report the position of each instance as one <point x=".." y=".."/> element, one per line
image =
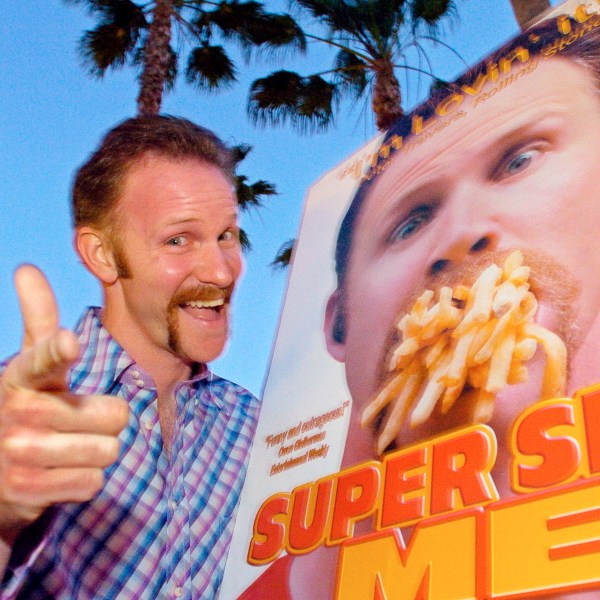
<point x="465" y="346"/>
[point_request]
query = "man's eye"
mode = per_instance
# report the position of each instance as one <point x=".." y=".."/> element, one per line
<point x="412" y="224"/>
<point x="178" y="240"/>
<point x="229" y="236"/>
<point x="520" y="162"/>
<point x="516" y="162"/>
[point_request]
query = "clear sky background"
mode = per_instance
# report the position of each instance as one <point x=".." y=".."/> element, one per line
<point x="52" y="114"/>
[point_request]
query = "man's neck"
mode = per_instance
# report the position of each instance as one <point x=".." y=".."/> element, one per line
<point x="165" y="368"/>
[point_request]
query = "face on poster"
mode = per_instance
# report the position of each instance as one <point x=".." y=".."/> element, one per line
<point x="493" y="180"/>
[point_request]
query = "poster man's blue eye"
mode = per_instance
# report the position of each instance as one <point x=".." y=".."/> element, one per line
<point x="519" y="162"/>
<point x="411" y="225"/>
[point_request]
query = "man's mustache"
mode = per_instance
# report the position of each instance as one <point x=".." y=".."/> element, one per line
<point x="205" y="292"/>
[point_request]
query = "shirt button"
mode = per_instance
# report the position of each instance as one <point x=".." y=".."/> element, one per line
<point x="148" y="425"/>
<point x="139" y="383"/>
<point x="178" y="592"/>
<point x="135" y="374"/>
<point x="173" y="504"/>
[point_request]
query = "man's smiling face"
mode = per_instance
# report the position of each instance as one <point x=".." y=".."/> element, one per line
<point x="518" y="172"/>
<point x="179" y="239"/>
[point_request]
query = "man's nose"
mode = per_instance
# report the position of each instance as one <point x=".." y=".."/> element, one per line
<point x="466" y="230"/>
<point x="213" y="265"/>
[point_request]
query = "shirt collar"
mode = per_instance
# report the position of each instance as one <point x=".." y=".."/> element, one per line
<point x="103" y="361"/>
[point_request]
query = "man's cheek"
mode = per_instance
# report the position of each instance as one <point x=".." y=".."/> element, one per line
<point x="363" y="366"/>
<point x="171" y="269"/>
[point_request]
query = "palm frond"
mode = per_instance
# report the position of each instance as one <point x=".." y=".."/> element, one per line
<point x="274" y="95"/>
<point x="114" y="38"/>
<point x="284" y="255"/>
<point x="251" y="26"/>
<point x="276" y="31"/>
<point x="438" y="85"/>
<point x="337" y="15"/>
<point x="244" y="241"/>
<point x="382" y="19"/>
<point x="240" y="152"/>
<point x="317" y="99"/>
<point x="351" y="73"/>
<point x="249" y="196"/>
<point x="106" y="46"/>
<point x="232" y="17"/>
<point x="306" y="102"/>
<point x="431" y="13"/>
<point x="210" y="68"/>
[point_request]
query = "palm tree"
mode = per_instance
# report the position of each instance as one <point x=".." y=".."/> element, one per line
<point x="372" y="39"/>
<point x="140" y="33"/>
<point x="526" y="10"/>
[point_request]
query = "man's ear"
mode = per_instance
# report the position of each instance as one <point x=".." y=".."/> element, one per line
<point x="94" y="249"/>
<point x="335" y="326"/>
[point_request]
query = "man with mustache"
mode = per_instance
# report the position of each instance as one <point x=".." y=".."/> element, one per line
<point x="121" y="455"/>
<point x="516" y="171"/>
<point x="511" y="166"/>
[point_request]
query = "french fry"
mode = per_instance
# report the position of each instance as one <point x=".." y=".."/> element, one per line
<point x="406" y="349"/>
<point x="500" y="363"/>
<point x="517" y="373"/>
<point x="392" y="388"/>
<point x="525" y="349"/>
<point x="482" y="295"/>
<point x="508" y="296"/>
<point x="519" y="276"/>
<point x="482" y="336"/>
<point x="484" y="406"/>
<point x="528" y="307"/>
<point x="450" y="396"/>
<point x="458" y="365"/>
<point x="466" y="347"/>
<point x="513" y="261"/>
<point x="461" y="293"/>
<point x="426" y="403"/>
<point x="433" y="390"/>
<point x="399" y="411"/>
<point x="478" y="375"/>
<point x="447" y="311"/>
<point x="485" y="353"/>
<point x="555" y="374"/>
<point x="433" y="353"/>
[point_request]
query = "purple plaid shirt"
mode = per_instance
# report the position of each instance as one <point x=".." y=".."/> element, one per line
<point x="161" y="526"/>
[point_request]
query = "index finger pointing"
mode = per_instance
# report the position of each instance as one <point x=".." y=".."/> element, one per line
<point x="38" y="305"/>
<point x="47" y="352"/>
<point x="45" y="366"/>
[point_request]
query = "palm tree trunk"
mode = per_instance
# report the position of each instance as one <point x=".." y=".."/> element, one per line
<point x="526" y="10"/>
<point x="156" y="59"/>
<point x="386" y="96"/>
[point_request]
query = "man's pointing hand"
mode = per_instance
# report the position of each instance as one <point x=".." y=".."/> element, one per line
<point x="54" y="445"/>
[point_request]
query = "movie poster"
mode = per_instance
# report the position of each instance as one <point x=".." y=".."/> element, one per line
<point x="431" y="417"/>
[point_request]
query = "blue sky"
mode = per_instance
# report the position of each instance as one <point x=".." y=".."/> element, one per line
<point x="52" y="114"/>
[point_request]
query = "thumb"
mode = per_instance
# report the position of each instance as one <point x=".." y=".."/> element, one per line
<point x="38" y="305"/>
<point x="47" y="352"/>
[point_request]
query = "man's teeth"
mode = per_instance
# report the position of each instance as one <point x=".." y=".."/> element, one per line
<point x="206" y="303"/>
